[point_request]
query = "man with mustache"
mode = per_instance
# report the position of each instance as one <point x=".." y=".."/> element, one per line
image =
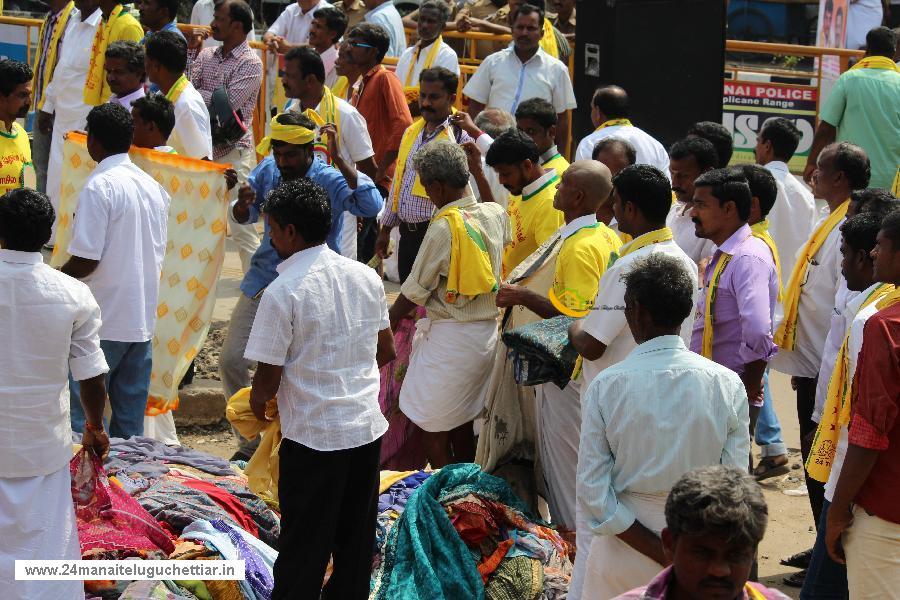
<point x="124" y="66"/>
<point x="688" y="159"/>
<point x="16" y="170"/>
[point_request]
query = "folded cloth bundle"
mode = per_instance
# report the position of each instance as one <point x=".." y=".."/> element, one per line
<point x="541" y="352"/>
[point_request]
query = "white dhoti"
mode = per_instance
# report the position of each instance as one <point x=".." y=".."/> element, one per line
<point x="448" y="372"/>
<point x="559" y="425"/>
<point x="37" y="522"/>
<point x="612" y="566"/>
<point x="62" y="124"/>
<point x="162" y="428"/>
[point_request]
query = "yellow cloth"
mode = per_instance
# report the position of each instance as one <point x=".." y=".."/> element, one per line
<point x="412" y="90"/>
<point x="556" y="162"/>
<point x="58" y="28"/>
<point x="613" y="123"/>
<point x="329" y="114"/>
<point x="175" y="91"/>
<point x="342" y="87"/>
<point x="290" y="134"/>
<point x="786" y="335"/>
<point x="16" y="170"/>
<point x="583" y="258"/>
<point x="711" y="289"/>
<point x="656" y="236"/>
<point x="262" y="469"/>
<point x="470" y="272"/>
<point x="195" y="251"/>
<point x="532" y="220"/>
<point x="548" y="40"/>
<point x="895" y="189"/>
<point x="389" y="478"/>
<point x="837" y="401"/>
<point x="753" y="593"/>
<point x="761" y="230"/>
<point x="120" y="26"/>
<point x="876" y="62"/>
<point x="406" y="143"/>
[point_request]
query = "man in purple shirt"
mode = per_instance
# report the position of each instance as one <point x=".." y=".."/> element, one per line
<point x="740" y="284"/>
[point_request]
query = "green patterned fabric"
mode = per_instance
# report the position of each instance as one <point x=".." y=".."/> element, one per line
<point x="541" y="351"/>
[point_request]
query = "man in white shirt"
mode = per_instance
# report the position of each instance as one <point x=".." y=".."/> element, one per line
<point x="124" y="66"/>
<point x="202" y="14"/>
<point x="154" y="119"/>
<point x="609" y="114"/>
<point x="688" y="159"/>
<point x="117" y="248"/>
<point x="646" y="421"/>
<point x="383" y="12"/>
<point x="166" y="59"/>
<point x="322" y="359"/>
<point x="50" y="322"/>
<point x="794" y="215"/>
<point x="291" y="28"/>
<point x="862" y="17"/>
<point x="64" y="108"/>
<point x="641" y="199"/>
<point x="304" y="73"/>
<point x="325" y="33"/>
<point x="430" y="51"/>
<point x="523" y="71"/>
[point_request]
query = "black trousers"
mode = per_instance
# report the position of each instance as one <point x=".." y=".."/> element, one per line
<point x="411" y="236"/>
<point x="806" y="403"/>
<point x="329" y="502"/>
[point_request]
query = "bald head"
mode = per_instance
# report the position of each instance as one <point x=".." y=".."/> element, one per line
<point x="611" y="102"/>
<point x="585" y="185"/>
<point x="494" y="121"/>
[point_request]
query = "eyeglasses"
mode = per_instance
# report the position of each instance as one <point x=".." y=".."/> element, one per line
<point x="360" y="45"/>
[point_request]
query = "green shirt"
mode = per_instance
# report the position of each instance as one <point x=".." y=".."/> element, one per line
<point x="864" y="106"/>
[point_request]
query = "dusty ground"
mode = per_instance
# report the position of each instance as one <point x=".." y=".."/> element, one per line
<point x="790" y="520"/>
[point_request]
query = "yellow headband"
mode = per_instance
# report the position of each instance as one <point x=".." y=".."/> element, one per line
<point x="291" y="134"/>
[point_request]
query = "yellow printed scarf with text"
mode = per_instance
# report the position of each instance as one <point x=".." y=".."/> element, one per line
<point x="289" y="134"/>
<point x="548" y="40"/>
<point x="651" y="237"/>
<point x="712" y="289"/>
<point x="612" y="123"/>
<point x="119" y="26"/>
<point x="327" y="112"/>
<point x="470" y="272"/>
<point x="58" y="28"/>
<point x="412" y="91"/>
<point x="406" y="143"/>
<point x="837" y="401"/>
<point x="786" y="336"/>
<point x="761" y="230"/>
<point x="876" y="62"/>
<point x="174" y="92"/>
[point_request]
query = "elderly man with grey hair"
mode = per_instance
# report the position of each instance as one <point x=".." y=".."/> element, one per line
<point x="455" y="277"/>
<point x="715" y="519"/>
<point x="646" y="421"/>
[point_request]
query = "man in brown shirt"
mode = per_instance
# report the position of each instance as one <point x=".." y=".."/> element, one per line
<point x="354" y="9"/>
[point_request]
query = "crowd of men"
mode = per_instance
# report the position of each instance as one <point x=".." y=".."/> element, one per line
<point x="679" y="280"/>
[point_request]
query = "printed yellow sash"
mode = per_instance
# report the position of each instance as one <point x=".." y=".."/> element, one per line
<point x="613" y="123"/>
<point x="470" y="272"/>
<point x="837" y="401"/>
<point x="326" y="112"/>
<point x="642" y="241"/>
<point x="406" y="143"/>
<point x="58" y="28"/>
<point x="876" y="62"/>
<point x="761" y="230"/>
<point x="120" y="25"/>
<point x="711" y="290"/>
<point x="412" y="91"/>
<point x="548" y="40"/>
<point x="174" y="92"/>
<point x="786" y="335"/>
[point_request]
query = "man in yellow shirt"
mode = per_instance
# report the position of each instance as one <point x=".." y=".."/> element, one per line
<point x="538" y="119"/>
<point x="588" y="248"/>
<point x="533" y="218"/>
<point x="117" y="25"/>
<point x="16" y="170"/>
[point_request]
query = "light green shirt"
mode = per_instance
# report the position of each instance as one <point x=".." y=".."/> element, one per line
<point x="864" y="106"/>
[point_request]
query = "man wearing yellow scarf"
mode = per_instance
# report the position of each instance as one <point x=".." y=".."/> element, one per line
<point x="430" y="51"/>
<point x="814" y="292"/>
<point x="587" y="249"/>
<point x="865" y="509"/>
<point x="117" y="25"/>
<point x="862" y="108"/>
<point x="454" y="277"/>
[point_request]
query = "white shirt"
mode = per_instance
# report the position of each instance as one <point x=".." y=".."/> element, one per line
<point x="793" y="217"/>
<point x="839" y="324"/>
<point x="293" y="24"/>
<point x="499" y="193"/>
<point x="446" y="57"/>
<point x="328" y="398"/>
<point x="606" y="322"/>
<point x="651" y="418"/>
<point x="503" y="81"/>
<point x="647" y="149"/>
<point x="862" y="17"/>
<point x="329" y="57"/>
<point x="388" y="17"/>
<point x="121" y="221"/>
<point x="192" y="136"/>
<point x="817" y="302"/>
<point x="684" y="233"/>
<point x="65" y="93"/>
<point x="202" y="14"/>
<point x="49" y="322"/>
<point x="125" y="101"/>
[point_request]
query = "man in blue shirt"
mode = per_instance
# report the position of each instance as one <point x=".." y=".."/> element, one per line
<point x="158" y="15"/>
<point x="292" y="158"/>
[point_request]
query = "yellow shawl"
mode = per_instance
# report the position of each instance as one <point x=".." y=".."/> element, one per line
<point x="175" y="91"/>
<point x="711" y="290"/>
<point x="548" y="40"/>
<point x="761" y="230"/>
<point x="470" y="272"/>
<point x="406" y="143"/>
<point x="651" y="237"/>
<point x="329" y="114"/>
<point x="410" y="89"/>
<point x="120" y="25"/>
<point x="876" y="62"/>
<point x="58" y="30"/>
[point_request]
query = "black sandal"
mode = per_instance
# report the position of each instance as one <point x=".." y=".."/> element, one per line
<point x="799" y="560"/>
<point x="767" y="469"/>
<point x="795" y="580"/>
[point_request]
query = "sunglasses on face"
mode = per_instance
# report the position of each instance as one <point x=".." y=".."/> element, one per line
<point x="360" y="45"/>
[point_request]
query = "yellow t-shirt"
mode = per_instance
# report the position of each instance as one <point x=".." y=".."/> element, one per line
<point x="583" y="258"/>
<point x="16" y="170"/>
<point x="532" y="219"/>
<point x="558" y="163"/>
